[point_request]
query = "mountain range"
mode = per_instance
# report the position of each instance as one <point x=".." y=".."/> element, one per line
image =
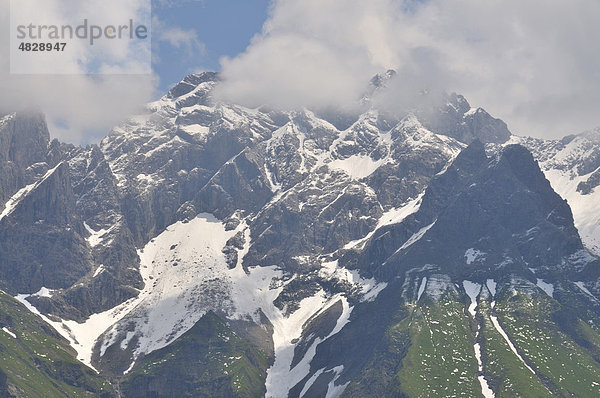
<point x="205" y="249"/>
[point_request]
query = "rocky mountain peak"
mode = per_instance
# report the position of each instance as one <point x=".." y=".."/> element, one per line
<point x="191" y="82"/>
<point x="299" y="252"/>
<point x="482" y="204"/>
<point x="24" y="138"/>
<point x="456" y="118"/>
<point x="380" y="79"/>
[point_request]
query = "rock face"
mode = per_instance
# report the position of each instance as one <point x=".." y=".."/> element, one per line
<point x="484" y="219"/>
<point x="24" y="142"/>
<point x="41" y="237"/>
<point x="485" y="211"/>
<point x="572" y="165"/>
<point x="60" y="202"/>
<point x="458" y="120"/>
<point x="41" y="241"/>
<point x="207" y="249"/>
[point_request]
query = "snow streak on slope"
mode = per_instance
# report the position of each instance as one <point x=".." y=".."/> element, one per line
<point x="421" y="288"/>
<point x="491" y="285"/>
<point x="582" y="287"/>
<point x="369" y="288"/>
<point x="12" y="203"/>
<point x="64" y="330"/>
<point x="473" y="290"/>
<point x="281" y="377"/>
<point x="7" y="331"/>
<point x="14" y="200"/>
<point x="393" y="216"/>
<point x="509" y="342"/>
<point x="288" y="330"/>
<point x="415" y="238"/>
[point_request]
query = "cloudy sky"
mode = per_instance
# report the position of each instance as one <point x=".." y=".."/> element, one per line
<point x="187" y="36"/>
<point x="533" y="63"/>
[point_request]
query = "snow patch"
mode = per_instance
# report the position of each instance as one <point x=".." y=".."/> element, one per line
<point x="126" y="340"/>
<point x="485" y="387"/>
<point x="185" y="275"/>
<point x="44" y="292"/>
<point x="548" y="288"/>
<point x="397" y="215"/>
<point x="369" y="288"/>
<point x="129" y="368"/>
<point x="586" y="208"/>
<point x="422" y="288"/>
<point x="253" y="291"/>
<point x="86" y="332"/>
<point x="471" y="112"/>
<point x="472" y="255"/>
<point x="334" y="391"/>
<point x="437" y="285"/>
<point x="491" y="285"/>
<point x="11" y="334"/>
<point x="281" y="377"/>
<point x="415" y="237"/>
<point x="472" y="289"/>
<point x="98" y="271"/>
<point x="357" y="166"/>
<point x="177" y="290"/>
<point x="311" y="381"/>
<point x="12" y="203"/>
<point x="275" y="187"/>
<point x="96" y="237"/>
<point x="195" y="129"/>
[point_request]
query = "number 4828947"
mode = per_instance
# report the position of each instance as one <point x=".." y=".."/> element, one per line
<point x="42" y="46"/>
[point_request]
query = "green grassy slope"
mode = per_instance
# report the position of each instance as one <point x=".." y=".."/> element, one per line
<point x="441" y="360"/>
<point x="565" y="367"/>
<point x="38" y="362"/>
<point x="209" y="360"/>
<point x="435" y="357"/>
<point x="507" y="375"/>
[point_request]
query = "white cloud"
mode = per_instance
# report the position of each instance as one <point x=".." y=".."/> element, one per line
<point x="80" y="108"/>
<point x="533" y="63"/>
<point x="184" y="39"/>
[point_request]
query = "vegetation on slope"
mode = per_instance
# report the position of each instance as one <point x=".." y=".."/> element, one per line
<point x="209" y="360"/>
<point x="36" y="362"/>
